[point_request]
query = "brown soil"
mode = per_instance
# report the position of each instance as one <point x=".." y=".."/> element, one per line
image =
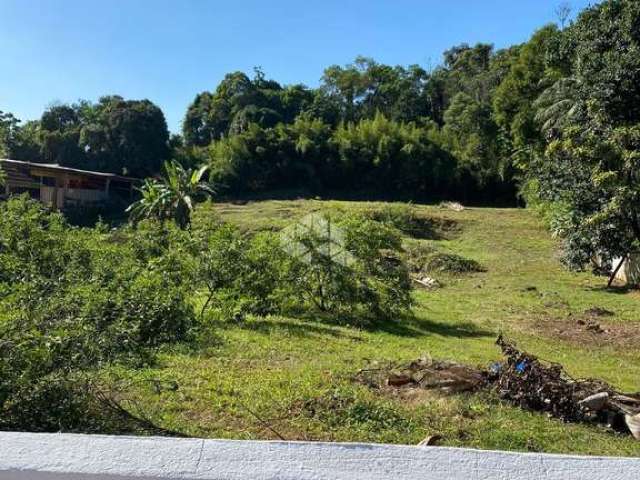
<point x="592" y="327"/>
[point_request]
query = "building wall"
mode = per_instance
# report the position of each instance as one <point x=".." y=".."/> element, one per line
<point x="61" y="188"/>
<point x="49" y="195"/>
<point x="629" y="273"/>
<point x="86" y="196"/>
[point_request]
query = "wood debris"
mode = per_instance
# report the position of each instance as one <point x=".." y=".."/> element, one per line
<point x="533" y="384"/>
<point x="425" y="373"/>
<point x="521" y="379"/>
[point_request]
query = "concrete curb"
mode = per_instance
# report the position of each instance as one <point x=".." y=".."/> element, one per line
<point x="36" y="456"/>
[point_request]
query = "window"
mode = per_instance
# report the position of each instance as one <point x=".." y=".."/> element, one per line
<point x="49" y="181"/>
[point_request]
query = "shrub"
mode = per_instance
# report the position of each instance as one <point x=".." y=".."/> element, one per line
<point x="351" y="267"/>
<point x="405" y="218"/>
<point x="417" y="255"/>
<point x="452" y="263"/>
<point x="378" y="249"/>
<point x="74" y="300"/>
<point x="322" y="266"/>
<point x="243" y="275"/>
<point x="29" y="241"/>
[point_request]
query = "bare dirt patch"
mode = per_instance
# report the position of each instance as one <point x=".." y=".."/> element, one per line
<point x="592" y="327"/>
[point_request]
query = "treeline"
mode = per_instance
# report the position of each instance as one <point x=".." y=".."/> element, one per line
<point x="369" y="126"/>
<point x="484" y="124"/>
<point x="114" y="135"/>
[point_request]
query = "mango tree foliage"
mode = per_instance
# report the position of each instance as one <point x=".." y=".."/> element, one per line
<point x="592" y="163"/>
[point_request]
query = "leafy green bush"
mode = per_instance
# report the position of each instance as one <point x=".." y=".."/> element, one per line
<point x="73" y="300"/>
<point x="322" y="266"/>
<point x="555" y="214"/>
<point x="242" y="275"/>
<point x="379" y="265"/>
<point x="350" y="267"/>
<point x="29" y="242"/>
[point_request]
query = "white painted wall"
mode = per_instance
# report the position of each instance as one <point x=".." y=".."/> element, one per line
<point x="92" y="457"/>
<point x="629" y="272"/>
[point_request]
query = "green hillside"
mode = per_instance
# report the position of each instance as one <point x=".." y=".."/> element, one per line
<point x="265" y="378"/>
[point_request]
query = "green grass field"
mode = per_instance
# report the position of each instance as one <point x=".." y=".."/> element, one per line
<point x="266" y="378"/>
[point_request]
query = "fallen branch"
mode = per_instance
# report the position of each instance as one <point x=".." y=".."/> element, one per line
<point x="521" y="379"/>
<point x="110" y="404"/>
<point x="533" y="384"/>
<point x="264" y="423"/>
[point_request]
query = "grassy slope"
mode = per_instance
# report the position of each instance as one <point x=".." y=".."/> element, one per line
<point x="295" y="375"/>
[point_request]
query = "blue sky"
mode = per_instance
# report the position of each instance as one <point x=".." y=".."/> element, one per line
<point x="167" y="51"/>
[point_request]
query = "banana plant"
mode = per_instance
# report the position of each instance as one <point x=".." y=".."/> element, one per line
<point x="172" y="196"/>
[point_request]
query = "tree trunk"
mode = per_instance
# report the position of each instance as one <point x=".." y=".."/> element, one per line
<point x="617" y="269"/>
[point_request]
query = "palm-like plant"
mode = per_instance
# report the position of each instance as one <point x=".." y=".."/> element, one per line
<point x="557" y="105"/>
<point x="171" y="196"/>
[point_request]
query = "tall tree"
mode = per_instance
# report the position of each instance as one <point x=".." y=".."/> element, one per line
<point x="59" y="136"/>
<point x="591" y="165"/>
<point x="8" y="126"/>
<point x="113" y="135"/>
<point x="513" y="102"/>
<point x="239" y="101"/>
<point x="126" y="136"/>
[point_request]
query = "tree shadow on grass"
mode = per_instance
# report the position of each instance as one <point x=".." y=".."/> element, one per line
<point x="619" y="289"/>
<point x="300" y="327"/>
<point x="411" y="326"/>
<point x="313" y="324"/>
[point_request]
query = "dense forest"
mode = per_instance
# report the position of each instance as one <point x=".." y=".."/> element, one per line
<point x="554" y="121"/>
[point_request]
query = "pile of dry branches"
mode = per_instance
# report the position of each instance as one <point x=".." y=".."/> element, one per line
<point x="533" y="384"/>
<point x="522" y="379"/>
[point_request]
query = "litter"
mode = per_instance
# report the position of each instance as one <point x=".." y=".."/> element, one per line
<point x="455" y="206"/>
<point x="428" y="282"/>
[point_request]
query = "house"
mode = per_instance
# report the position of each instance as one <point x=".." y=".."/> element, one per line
<point x="63" y="187"/>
